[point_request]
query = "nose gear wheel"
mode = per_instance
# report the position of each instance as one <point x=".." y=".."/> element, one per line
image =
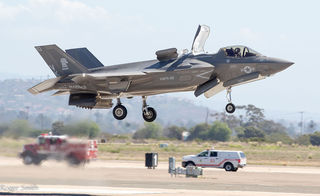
<point x="230" y="107"/>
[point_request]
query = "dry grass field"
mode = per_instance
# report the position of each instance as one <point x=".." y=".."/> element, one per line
<point x="264" y="154"/>
<point x="257" y="153"/>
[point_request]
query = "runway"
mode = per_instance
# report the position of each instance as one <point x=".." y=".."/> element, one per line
<point x="132" y="178"/>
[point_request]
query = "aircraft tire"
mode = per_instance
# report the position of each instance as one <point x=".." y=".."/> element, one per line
<point x="230" y="108"/>
<point x="151" y="116"/>
<point x="119" y="112"/>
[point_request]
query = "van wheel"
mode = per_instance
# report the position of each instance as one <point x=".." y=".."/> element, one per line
<point x="228" y="167"/>
<point x="190" y="164"/>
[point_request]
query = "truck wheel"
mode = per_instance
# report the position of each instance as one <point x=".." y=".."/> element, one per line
<point x="228" y="167"/>
<point x="73" y="161"/>
<point x="28" y="159"/>
<point x="37" y="160"/>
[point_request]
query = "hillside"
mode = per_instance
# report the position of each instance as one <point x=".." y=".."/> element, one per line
<point x="42" y="110"/>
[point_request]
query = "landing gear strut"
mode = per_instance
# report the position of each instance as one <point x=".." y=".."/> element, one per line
<point x="119" y="111"/>
<point x="148" y="113"/>
<point x="230" y="107"/>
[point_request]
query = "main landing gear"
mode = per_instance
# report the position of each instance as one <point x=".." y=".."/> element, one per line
<point x="149" y="114"/>
<point x="230" y="107"/>
<point x="119" y="111"/>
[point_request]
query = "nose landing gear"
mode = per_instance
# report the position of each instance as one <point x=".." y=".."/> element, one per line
<point x="230" y="107"/>
<point x="149" y="114"/>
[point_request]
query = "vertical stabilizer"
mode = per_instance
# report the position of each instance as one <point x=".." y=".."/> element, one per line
<point x="85" y="57"/>
<point x="60" y="62"/>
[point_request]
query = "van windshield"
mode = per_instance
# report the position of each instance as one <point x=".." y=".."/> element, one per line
<point x="242" y="155"/>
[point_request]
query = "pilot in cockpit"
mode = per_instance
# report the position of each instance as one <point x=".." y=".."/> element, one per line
<point x="233" y="52"/>
<point x="237" y="52"/>
<point x="240" y="52"/>
<point x="230" y="52"/>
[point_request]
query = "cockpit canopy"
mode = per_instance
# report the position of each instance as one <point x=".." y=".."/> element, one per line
<point x="240" y="51"/>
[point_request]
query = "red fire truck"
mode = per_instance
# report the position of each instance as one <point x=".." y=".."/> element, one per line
<point x="59" y="147"/>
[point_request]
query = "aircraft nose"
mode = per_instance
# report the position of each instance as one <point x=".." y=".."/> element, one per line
<point x="280" y="64"/>
<point x="285" y="64"/>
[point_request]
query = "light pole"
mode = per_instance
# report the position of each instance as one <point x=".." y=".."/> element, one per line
<point x="301" y="123"/>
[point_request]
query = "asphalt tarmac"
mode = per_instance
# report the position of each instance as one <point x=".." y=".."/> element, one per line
<point x="132" y="178"/>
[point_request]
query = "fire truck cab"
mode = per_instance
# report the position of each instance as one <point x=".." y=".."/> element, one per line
<point x="59" y="147"/>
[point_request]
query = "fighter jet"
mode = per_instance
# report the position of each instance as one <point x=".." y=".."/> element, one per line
<point x="92" y="85"/>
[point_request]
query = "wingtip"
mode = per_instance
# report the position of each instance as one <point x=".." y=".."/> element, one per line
<point x="33" y="91"/>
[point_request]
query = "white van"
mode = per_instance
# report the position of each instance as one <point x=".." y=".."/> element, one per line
<point x="229" y="160"/>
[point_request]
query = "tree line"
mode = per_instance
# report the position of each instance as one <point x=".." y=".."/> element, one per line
<point x="22" y="128"/>
<point x="250" y="126"/>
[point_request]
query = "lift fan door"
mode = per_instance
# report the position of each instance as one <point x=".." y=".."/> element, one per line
<point x="167" y="54"/>
<point x="200" y="39"/>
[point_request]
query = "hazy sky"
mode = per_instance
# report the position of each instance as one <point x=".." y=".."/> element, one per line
<point x="124" y="31"/>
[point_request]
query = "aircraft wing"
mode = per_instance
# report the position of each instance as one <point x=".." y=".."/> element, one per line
<point x="114" y="74"/>
<point x="200" y="39"/>
<point x="68" y="92"/>
<point x="82" y="78"/>
<point x="98" y="76"/>
<point x="117" y="82"/>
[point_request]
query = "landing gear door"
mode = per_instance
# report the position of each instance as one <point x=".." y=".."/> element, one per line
<point x="200" y="39"/>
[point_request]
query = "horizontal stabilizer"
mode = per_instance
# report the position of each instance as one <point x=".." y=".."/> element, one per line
<point x="85" y="57"/>
<point x="43" y="86"/>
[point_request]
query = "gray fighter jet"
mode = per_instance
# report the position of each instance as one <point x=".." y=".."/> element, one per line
<point x="92" y="85"/>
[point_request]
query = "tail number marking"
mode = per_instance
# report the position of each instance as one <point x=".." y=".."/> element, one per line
<point x="64" y="64"/>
